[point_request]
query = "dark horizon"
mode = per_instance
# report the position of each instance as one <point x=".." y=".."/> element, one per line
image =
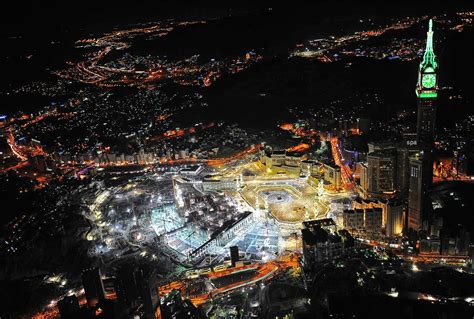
<point x="35" y="15"/>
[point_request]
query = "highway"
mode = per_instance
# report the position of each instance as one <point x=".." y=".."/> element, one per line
<point x="215" y="161"/>
<point x="346" y="172"/>
<point x="263" y="271"/>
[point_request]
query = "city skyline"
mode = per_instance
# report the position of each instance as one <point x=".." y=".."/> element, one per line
<point x="215" y="162"/>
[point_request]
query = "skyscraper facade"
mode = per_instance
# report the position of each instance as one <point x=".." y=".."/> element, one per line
<point x="421" y="165"/>
<point x="381" y="171"/>
<point x="394" y="222"/>
<point x="93" y="286"/>
<point x="417" y="192"/>
<point x="427" y="93"/>
<point x="136" y="289"/>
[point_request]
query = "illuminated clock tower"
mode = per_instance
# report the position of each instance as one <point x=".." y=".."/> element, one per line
<point x="421" y="165"/>
<point x="427" y="93"/>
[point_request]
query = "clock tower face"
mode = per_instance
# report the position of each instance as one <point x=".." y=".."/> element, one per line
<point x="428" y="81"/>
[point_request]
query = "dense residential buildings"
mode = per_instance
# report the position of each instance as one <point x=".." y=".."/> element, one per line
<point x="322" y="242"/>
<point x="364" y="221"/>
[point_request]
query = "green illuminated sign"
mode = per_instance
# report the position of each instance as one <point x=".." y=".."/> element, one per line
<point x="428" y="81"/>
<point x="426" y="95"/>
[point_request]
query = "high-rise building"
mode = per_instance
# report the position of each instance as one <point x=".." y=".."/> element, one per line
<point x="427" y="92"/>
<point x="136" y="286"/>
<point x="69" y="307"/>
<point x="126" y="286"/>
<point x="93" y="286"/>
<point x="321" y="242"/>
<point x="172" y="306"/>
<point x="421" y="165"/>
<point x="353" y="219"/>
<point x="373" y="220"/>
<point x="381" y="167"/>
<point x="430" y="245"/>
<point x="394" y="222"/>
<point x="417" y="192"/>
<point x="403" y="169"/>
<point x="364" y="178"/>
<point x="234" y="255"/>
<point x="147" y="286"/>
<point x="332" y="174"/>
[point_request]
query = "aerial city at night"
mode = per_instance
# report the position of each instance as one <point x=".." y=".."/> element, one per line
<point x="170" y="159"/>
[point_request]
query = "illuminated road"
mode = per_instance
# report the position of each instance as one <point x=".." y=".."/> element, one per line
<point x="23" y="152"/>
<point x="14" y="167"/>
<point x="215" y="161"/>
<point x="437" y="259"/>
<point x="346" y="172"/>
<point x="324" y="49"/>
<point x="264" y="271"/>
<point x="16" y="150"/>
<point x="93" y="69"/>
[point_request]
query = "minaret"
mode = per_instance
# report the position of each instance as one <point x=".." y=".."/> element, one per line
<point x="421" y="165"/>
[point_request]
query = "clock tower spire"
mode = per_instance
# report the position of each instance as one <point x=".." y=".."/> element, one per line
<point x="427" y="85"/>
<point x="429" y="58"/>
<point x="427" y="93"/>
<point x="421" y="167"/>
